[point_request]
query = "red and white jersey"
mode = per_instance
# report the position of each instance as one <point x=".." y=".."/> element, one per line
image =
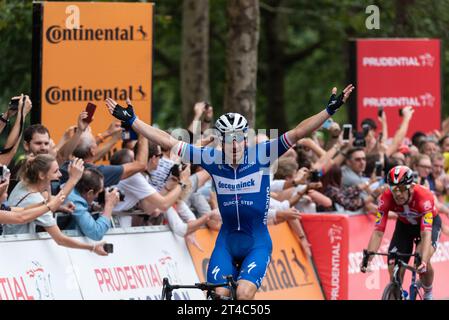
<point x="419" y="211"/>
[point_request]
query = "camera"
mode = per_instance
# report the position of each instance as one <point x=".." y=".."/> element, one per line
<point x="108" y="247"/>
<point x="101" y="196"/>
<point x="314" y="176"/>
<point x="4" y="173"/>
<point x="14" y="104"/>
<point x="176" y="169"/>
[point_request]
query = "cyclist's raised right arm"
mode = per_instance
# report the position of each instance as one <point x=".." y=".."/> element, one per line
<point x="128" y="116"/>
<point x="155" y="135"/>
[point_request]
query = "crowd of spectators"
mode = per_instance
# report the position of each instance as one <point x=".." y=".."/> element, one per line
<point x="67" y="185"/>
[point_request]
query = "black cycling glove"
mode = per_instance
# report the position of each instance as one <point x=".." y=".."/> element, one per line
<point x="334" y="103"/>
<point x="126" y="115"/>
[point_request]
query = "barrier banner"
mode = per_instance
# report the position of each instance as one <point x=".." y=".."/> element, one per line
<point x="328" y="236"/>
<point x="90" y="51"/>
<point x="136" y="268"/>
<point x="338" y="260"/>
<point x="36" y="270"/>
<point x="290" y="275"/>
<point x="395" y="73"/>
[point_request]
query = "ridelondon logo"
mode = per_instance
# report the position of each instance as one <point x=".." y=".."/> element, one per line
<point x="35" y="284"/>
<point x="56" y="34"/>
<point x="422" y="60"/>
<point x="55" y="94"/>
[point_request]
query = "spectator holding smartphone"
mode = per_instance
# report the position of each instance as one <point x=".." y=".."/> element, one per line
<point x="33" y="190"/>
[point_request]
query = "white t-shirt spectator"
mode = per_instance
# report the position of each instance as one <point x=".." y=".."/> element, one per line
<point x="158" y="177"/>
<point x="135" y="188"/>
<point x="22" y="197"/>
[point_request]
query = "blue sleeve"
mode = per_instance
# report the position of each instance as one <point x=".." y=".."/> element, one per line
<point x="112" y="174"/>
<point x="269" y="151"/>
<point x="91" y="228"/>
<point x="203" y="156"/>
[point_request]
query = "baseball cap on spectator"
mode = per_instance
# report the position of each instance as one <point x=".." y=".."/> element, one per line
<point x="404" y="149"/>
<point x="369" y="122"/>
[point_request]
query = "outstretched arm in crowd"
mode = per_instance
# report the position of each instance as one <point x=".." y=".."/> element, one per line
<point x="141" y="162"/>
<point x="313" y="123"/>
<point x="66" y="150"/>
<point x="402" y="132"/>
<point x="127" y="115"/>
<point x="107" y="146"/>
<point x="13" y="140"/>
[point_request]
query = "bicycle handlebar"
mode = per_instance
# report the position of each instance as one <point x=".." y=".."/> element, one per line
<point x="367" y="254"/>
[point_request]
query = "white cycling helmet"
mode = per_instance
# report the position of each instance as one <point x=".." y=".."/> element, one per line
<point x="231" y="122"/>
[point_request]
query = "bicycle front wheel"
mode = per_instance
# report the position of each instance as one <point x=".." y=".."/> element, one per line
<point x="392" y="292"/>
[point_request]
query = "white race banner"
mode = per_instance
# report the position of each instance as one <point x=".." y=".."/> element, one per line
<point x="36" y="270"/>
<point x="136" y="268"/>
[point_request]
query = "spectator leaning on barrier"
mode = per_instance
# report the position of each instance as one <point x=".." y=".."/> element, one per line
<point x="85" y="192"/>
<point x="33" y="189"/>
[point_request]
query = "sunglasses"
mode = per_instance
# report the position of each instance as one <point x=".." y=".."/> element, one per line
<point x="396" y="189"/>
<point x="239" y="137"/>
<point x="160" y="155"/>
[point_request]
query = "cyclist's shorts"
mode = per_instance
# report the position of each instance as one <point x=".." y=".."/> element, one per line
<point x="404" y="235"/>
<point x="240" y="259"/>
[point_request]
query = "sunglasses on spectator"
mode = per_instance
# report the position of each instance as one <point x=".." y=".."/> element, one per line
<point x="158" y="155"/>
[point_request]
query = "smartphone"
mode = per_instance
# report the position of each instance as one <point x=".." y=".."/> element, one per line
<point x="347" y="128"/>
<point x="400" y="112"/>
<point x="327" y="124"/>
<point x="108" y="247"/>
<point x="90" y="109"/>
<point x="314" y="176"/>
<point x="378" y="169"/>
<point x="380" y="111"/>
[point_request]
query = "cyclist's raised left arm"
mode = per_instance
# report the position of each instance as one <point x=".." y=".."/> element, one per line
<point x="314" y="122"/>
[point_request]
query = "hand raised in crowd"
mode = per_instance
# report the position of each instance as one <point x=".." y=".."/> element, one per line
<point x="28" y="105"/>
<point x="112" y="197"/>
<point x="335" y="130"/>
<point x="76" y="169"/>
<point x="185" y="174"/>
<point x="56" y="202"/>
<point x="290" y="214"/>
<point x="199" y="109"/>
<point x="69" y="208"/>
<point x="114" y="127"/>
<point x="98" y="249"/>
<point x="407" y="112"/>
<point x="3" y="190"/>
<point x="301" y="176"/>
<point x="82" y="124"/>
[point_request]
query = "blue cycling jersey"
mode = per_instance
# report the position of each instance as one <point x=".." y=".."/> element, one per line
<point x="243" y="245"/>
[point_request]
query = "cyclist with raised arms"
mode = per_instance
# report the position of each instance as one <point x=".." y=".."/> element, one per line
<point x="417" y="219"/>
<point x="241" y="180"/>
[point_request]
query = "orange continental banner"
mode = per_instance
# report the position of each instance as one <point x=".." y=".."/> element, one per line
<point x="290" y="275"/>
<point x="91" y="51"/>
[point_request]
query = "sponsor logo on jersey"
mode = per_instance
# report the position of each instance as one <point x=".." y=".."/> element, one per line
<point x="378" y="217"/>
<point x="248" y="184"/>
<point x="428" y="218"/>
